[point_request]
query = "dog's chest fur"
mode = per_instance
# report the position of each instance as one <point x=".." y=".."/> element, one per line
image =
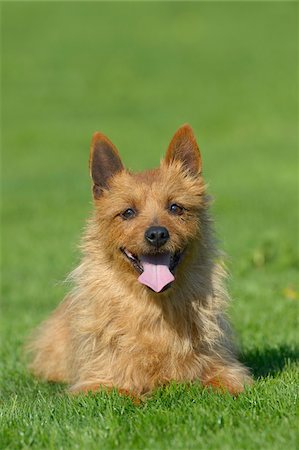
<point x="137" y="339"/>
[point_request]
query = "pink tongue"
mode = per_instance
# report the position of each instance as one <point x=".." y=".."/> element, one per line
<point x="156" y="273"/>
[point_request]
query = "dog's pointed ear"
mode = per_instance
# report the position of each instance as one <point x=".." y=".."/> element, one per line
<point x="183" y="147"/>
<point x="104" y="162"/>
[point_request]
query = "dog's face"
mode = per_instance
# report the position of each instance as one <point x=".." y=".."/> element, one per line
<point x="147" y="220"/>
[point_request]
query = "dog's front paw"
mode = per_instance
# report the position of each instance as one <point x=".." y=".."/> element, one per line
<point x="96" y="387"/>
<point x="227" y="379"/>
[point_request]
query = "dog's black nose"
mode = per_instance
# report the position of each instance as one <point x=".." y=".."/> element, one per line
<point x="157" y="236"/>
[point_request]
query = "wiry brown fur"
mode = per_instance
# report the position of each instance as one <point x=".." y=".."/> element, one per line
<point x="112" y="330"/>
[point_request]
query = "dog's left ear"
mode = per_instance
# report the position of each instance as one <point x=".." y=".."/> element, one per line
<point x="183" y="147"/>
<point x="104" y="162"/>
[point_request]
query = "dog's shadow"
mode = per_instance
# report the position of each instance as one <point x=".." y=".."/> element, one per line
<point x="269" y="361"/>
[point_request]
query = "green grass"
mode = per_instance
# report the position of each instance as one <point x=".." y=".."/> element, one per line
<point x="136" y="71"/>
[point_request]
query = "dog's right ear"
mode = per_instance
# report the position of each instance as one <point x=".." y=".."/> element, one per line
<point x="104" y="162"/>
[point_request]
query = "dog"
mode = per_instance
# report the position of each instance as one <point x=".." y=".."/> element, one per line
<point x="149" y="298"/>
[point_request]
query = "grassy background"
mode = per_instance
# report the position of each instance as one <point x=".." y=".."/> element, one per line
<point x="136" y="71"/>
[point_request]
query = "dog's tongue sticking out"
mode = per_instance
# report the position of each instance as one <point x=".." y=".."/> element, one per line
<point x="156" y="273"/>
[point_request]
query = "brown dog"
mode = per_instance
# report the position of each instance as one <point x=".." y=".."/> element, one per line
<point x="148" y="301"/>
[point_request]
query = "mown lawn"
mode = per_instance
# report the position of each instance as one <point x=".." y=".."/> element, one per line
<point x="136" y="71"/>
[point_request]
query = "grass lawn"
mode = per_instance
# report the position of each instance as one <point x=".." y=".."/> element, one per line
<point x="136" y="71"/>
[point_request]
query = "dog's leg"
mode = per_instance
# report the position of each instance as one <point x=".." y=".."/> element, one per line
<point x="49" y="347"/>
<point x="222" y="376"/>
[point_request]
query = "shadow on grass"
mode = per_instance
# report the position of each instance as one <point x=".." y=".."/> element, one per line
<point x="269" y="361"/>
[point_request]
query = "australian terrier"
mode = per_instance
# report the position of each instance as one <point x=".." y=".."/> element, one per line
<point x="149" y="298"/>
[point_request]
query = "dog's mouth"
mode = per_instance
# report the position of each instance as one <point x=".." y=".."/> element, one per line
<point x="155" y="270"/>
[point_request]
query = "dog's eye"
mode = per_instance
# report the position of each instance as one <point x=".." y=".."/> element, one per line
<point x="176" y="209"/>
<point x="128" y="214"/>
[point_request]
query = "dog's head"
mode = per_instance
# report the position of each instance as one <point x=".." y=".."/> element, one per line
<point x="147" y="220"/>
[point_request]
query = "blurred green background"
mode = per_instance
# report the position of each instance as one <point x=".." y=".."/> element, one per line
<point x="137" y="71"/>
